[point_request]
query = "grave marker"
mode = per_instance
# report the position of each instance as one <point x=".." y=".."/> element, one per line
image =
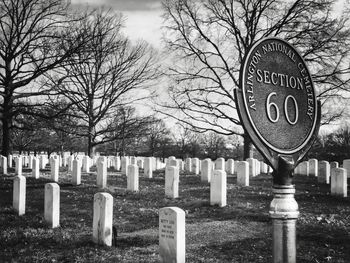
<point x="19" y="194"/>
<point x="148" y="171"/>
<point x="339" y="182"/>
<point x="101" y="174"/>
<point x="133" y="178"/>
<point x="220" y="164"/>
<point x="188" y="165"/>
<point x="172" y="181"/>
<point x="206" y="171"/>
<point x="36" y="168"/>
<point x="195" y="166"/>
<point x="103" y="219"/>
<point x="76" y="176"/>
<point x="9" y="160"/>
<point x="218" y="188"/>
<point x="86" y="164"/>
<point x="323" y="172"/>
<point x="313" y="167"/>
<point x="52" y="204"/>
<point x="243" y="173"/>
<point x="124" y="165"/>
<point x="252" y="167"/>
<point x="54" y="163"/>
<point x="18" y="168"/>
<point x="334" y="165"/>
<point x="230" y="166"/>
<point x="3" y="165"/>
<point x="172" y="242"/>
<point x="346" y="166"/>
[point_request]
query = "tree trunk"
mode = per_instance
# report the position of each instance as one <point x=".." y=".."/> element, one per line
<point x="248" y="147"/>
<point x="90" y="147"/>
<point x="6" y="136"/>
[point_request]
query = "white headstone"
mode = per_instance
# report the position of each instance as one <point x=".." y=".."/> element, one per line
<point x="133" y="178"/>
<point x="230" y="166"/>
<point x="140" y="163"/>
<point x="70" y="163"/>
<point x="313" y="167"/>
<point x="133" y="160"/>
<point x="334" y="165"/>
<point x="18" y="162"/>
<point x="181" y="165"/>
<point x="124" y="164"/>
<point x="25" y="161"/>
<point x="86" y="164"/>
<point x="257" y="167"/>
<point x="101" y="174"/>
<point x="218" y="188"/>
<point x="263" y="167"/>
<point x="172" y="162"/>
<point x="304" y="168"/>
<point x="36" y="168"/>
<point x="339" y="182"/>
<point x="172" y="235"/>
<point x="168" y="161"/>
<point x="52" y="204"/>
<point x="3" y="165"/>
<point x="220" y="164"/>
<point x="148" y="170"/>
<point x="30" y="161"/>
<point x="252" y="167"/>
<point x="188" y="165"/>
<point x="64" y="161"/>
<point x="117" y="163"/>
<point x="155" y="164"/>
<point x="103" y="219"/>
<point x="54" y="169"/>
<point x="346" y="166"/>
<point x="9" y="160"/>
<point x="243" y="173"/>
<point x="324" y="171"/>
<point x="195" y="166"/>
<point x="206" y="171"/>
<point x="76" y="175"/>
<point x="19" y="194"/>
<point x="172" y="181"/>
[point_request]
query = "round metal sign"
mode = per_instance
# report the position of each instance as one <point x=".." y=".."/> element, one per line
<point x="278" y="96"/>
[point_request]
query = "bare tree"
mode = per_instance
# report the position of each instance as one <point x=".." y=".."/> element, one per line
<point x="157" y="133"/>
<point x="34" y="39"/>
<point x="210" y="38"/>
<point x="127" y="128"/>
<point x="109" y="74"/>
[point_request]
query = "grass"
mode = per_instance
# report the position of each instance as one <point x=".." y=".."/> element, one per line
<point x="239" y="232"/>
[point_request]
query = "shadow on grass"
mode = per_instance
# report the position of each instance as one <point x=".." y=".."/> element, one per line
<point x="136" y="241"/>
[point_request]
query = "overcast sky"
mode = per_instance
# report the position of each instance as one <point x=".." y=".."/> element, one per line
<point x="143" y="17"/>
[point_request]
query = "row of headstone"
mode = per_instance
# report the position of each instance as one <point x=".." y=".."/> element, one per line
<point x="51" y="200"/>
<point x="328" y="173"/>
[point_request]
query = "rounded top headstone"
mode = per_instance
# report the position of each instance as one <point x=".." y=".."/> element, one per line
<point x="278" y="95"/>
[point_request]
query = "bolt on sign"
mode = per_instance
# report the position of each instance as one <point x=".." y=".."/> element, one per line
<point x="276" y="100"/>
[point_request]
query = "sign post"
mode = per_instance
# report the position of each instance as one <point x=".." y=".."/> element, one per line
<point x="278" y="109"/>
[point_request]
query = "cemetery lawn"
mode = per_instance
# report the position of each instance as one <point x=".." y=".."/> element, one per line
<point x="239" y="232"/>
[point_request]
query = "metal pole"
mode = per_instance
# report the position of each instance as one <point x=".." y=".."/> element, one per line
<point x="284" y="213"/>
